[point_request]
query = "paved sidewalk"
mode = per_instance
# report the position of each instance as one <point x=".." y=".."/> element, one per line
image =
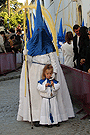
<point x="12" y="75"/>
<point x="9" y="101"/>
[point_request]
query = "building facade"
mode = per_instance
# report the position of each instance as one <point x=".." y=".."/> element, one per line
<point x="71" y="11"/>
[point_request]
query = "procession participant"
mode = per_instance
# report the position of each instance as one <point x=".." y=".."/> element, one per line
<point x="48" y="88"/>
<point x="2" y="47"/>
<point x="41" y="51"/>
<point x="67" y="50"/>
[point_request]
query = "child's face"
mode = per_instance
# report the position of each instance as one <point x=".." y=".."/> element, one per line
<point x="48" y="73"/>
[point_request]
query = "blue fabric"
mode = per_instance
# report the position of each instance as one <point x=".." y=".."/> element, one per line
<point x="61" y="29"/>
<point x="55" y="81"/>
<point x="60" y="39"/>
<point x="39" y="20"/>
<point x="60" y="35"/>
<point x="28" y="29"/>
<point x="51" y="117"/>
<point x="38" y="63"/>
<point x="83" y="23"/>
<point x="34" y="19"/>
<point x="64" y="33"/>
<point x="32" y="31"/>
<point x="41" y="81"/>
<point x="40" y="43"/>
<point x="49" y="34"/>
<point x="48" y="81"/>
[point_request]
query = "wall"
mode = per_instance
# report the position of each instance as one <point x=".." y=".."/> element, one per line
<point x="68" y="12"/>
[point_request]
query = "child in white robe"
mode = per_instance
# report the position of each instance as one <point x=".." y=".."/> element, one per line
<point x="48" y="88"/>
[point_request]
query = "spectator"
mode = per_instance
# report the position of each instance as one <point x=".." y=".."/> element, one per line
<point x="2" y="24"/>
<point x="6" y="43"/>
<point x="67" y="49"/>
<point x="83" y="45"/>
<point x="88" y="54"/>
<point x="13" y="43"/>
<point x="11" y="32"/>
<point x="19" y="41"/>
<point x="80" y="43"/>
<point x="18" y="27"/>
<point x="76" y="29"/>
<point x="2" y="47"/>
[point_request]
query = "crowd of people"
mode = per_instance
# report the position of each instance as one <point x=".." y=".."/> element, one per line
<point x="76" y="49"/>
<point x="11" y="40"/>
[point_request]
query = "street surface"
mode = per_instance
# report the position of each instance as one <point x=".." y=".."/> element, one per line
<point x="9" y="97"/>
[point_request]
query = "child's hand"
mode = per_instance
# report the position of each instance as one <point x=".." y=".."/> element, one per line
<point x="47" y="85"/>
<point x="52" y="83"/>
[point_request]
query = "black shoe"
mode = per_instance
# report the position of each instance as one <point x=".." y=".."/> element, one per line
<point x="36" y="124"/>
<point x="58" y="125"/>
<point x="49" y="126"/>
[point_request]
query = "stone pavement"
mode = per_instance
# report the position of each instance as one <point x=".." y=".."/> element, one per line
<point x="11" y="75"/>
<point x="9" y="100"/>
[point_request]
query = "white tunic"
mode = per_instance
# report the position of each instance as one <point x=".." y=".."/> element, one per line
<point x="49" y="103"/>
<point x="35" y="72"/>
<point x="68" y="54"/>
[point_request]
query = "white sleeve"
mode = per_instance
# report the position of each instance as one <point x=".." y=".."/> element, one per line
<point x="41" y="87"/>
<point x="53" y="61"/>
<point x="60" y="43"/>
<point x="63" y="51"/>
<point x="56" y="87"/>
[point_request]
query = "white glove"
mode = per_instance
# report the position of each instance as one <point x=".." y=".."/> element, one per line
<point x="53" y="76"/>
<point x="75" y="62"/>
<point x="60" y="43"/>
<point x="25" y="52"/>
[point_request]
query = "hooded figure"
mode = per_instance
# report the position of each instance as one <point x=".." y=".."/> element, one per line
<point x="41" y="51"/>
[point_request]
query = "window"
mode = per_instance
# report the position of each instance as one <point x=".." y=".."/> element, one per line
<point x="80" y="14"/>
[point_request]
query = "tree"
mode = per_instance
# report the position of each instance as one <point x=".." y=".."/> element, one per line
<point x="14" y="19"/>
<point x="2" y="2"/>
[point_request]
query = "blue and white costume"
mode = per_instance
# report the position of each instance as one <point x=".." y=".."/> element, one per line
<point x="49" y="102"/>
<point x="42" y="52"/>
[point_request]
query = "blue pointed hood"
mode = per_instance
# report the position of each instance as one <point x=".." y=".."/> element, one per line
<point x="64" y="33"/>
<point x="40" y="43"/>
<point x="60" y="35"/>
<point x="61" y="29"/>
<point x="49" y="34"/>
<point x="28" y="29"/>
<point x="39" y="20"/>
<point x="83" y="23"/>
<point x="34" y="20"/>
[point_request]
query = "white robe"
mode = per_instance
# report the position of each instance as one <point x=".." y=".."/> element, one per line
<point x="68" y="54"/>
<point x="35" y="72"/>
<point x="49" y="103"/>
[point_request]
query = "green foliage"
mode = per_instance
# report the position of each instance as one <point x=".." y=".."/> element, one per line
<point x="14" y="19"/>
